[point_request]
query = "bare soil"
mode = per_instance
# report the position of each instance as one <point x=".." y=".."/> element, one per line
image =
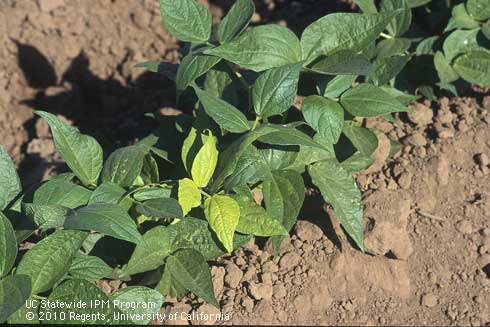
<point x="427" y="210"/>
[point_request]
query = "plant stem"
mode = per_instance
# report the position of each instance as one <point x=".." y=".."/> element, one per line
<point x="256" y="122"/>
<point x="386" y="36"/>
<point x="204" y="193"/>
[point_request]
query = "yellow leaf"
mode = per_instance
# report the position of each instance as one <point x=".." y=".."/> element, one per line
<point x="189" y="195"/>
<point x="223" y="214"/>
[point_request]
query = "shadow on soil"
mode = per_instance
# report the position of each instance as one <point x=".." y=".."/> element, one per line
<point x="112" y="110"/>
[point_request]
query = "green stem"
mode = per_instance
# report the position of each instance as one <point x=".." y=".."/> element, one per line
<point x="256" y="122"/>
<point x="204" y="193"/>
<point x="386" y="36"/>
<point x="38" y="297"/>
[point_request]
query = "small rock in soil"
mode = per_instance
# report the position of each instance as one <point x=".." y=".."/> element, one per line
<point x="175" y="312"/>
<point x="308" y="231"/>
<point x="464" y="227"/>
<point x="421" y="115"/>
<point x="218" y="274"/>
<point x="260" y="291"/>
<point x="263" y="310"/>
<point x="482" y="159"/>
<point x="248" y="304"/>
<point x="49" y="5"/>
<point x="417" y="139"/>
<point x="270" y="267"/>
<point x="289" y="261"/>
<point x="206" y="314"/>
<point x="429" y="300"/>
<point x="233" y="275"/>
<point x="405" y="179"/>
<point x="279" y="291"/>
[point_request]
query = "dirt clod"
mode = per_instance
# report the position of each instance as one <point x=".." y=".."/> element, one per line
<point x="307" y="231"/>
<point x="429" y="300"/>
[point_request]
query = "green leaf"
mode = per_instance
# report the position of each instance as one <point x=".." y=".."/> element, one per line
<point x="105" y="218"/>
<point x="256" y="221"/>
<point x="89" y="268"/>
<point x="333" y="88"/>
<point x="459" y="42"/>
<point x="417" y="3"/>
<point x="285" y="135"/>
<point x="278" y="157"/>
<point x="46" y="216"/>
<point x="460" y="19"/>
<point x="284" y="194"/>
<point x="196" y="234"/>
<point x="479" y="9"/>
<point x="339" y="188"/>
<point x="308" y="155"/>
<point x="485" y="29"/>
<point x="124" y="165"/>
<point x="325" y="116"/>
<point x="192" y="143"/>
<point x="107" y="192"/>
<point x="367" y="100"/>
<point x="20" y="316"/>
<point x="342" y="31"/>
<point x="224" y="114"/>
<point x="189" y="195"/>
<point x="261" y="48"/>
<point x="220" y="84"/>
<point x="149" y="172"/>
<point x="391" y="47"/>
<point x="81" y="152"/>
<point x="474" y="67"/>
<point x="187" y="20"/>
<point x="169" y="285"/>
<point x="362" y="138"/>
<point x="9" y="180"/>
<point x="229" y="158"/>
<point x="357" y="162"/>
<point x="192" y="66"/>
<point x="149" y="300"/>
<point x="403" y="97"/>
<point x="191" y="270"/>
<point x="222" y="213"/>
<point x="151" y="252"/>
<point x="386" y="68"/>
<point x="61" y="192"/>
<point x="236" y="20"/>
<point x="367" y="6"/>
<point x="166" y="69"/>
<point x="427" y="46"/>
<point x="275" y="89"/>
<point x="444" y="70"/>
<point x="160" y="208"/>
<point x="14" y="291"/>
<point x="50" y="259"/>
<point x="74" y="291"/>
<point x="401" y="22"/>
<point x="205" y="162"/>
<point x="152" y="193"/>
<point x="343" y="62"/>
<point x="251" y="168"/>
<point x="8" y="246"/>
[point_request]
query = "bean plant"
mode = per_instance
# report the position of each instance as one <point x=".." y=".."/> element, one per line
<point x="266" y="114"/>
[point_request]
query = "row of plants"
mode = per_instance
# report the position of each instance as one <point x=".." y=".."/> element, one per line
<point x="154" y="213"/>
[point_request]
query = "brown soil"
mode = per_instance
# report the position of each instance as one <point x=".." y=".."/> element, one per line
<point x="427" y="210"/>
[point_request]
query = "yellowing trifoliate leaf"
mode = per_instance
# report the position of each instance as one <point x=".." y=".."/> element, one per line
<point x="223" y="214"/>
<point x="205" y="162"/>
<point x="189" y="195"/>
